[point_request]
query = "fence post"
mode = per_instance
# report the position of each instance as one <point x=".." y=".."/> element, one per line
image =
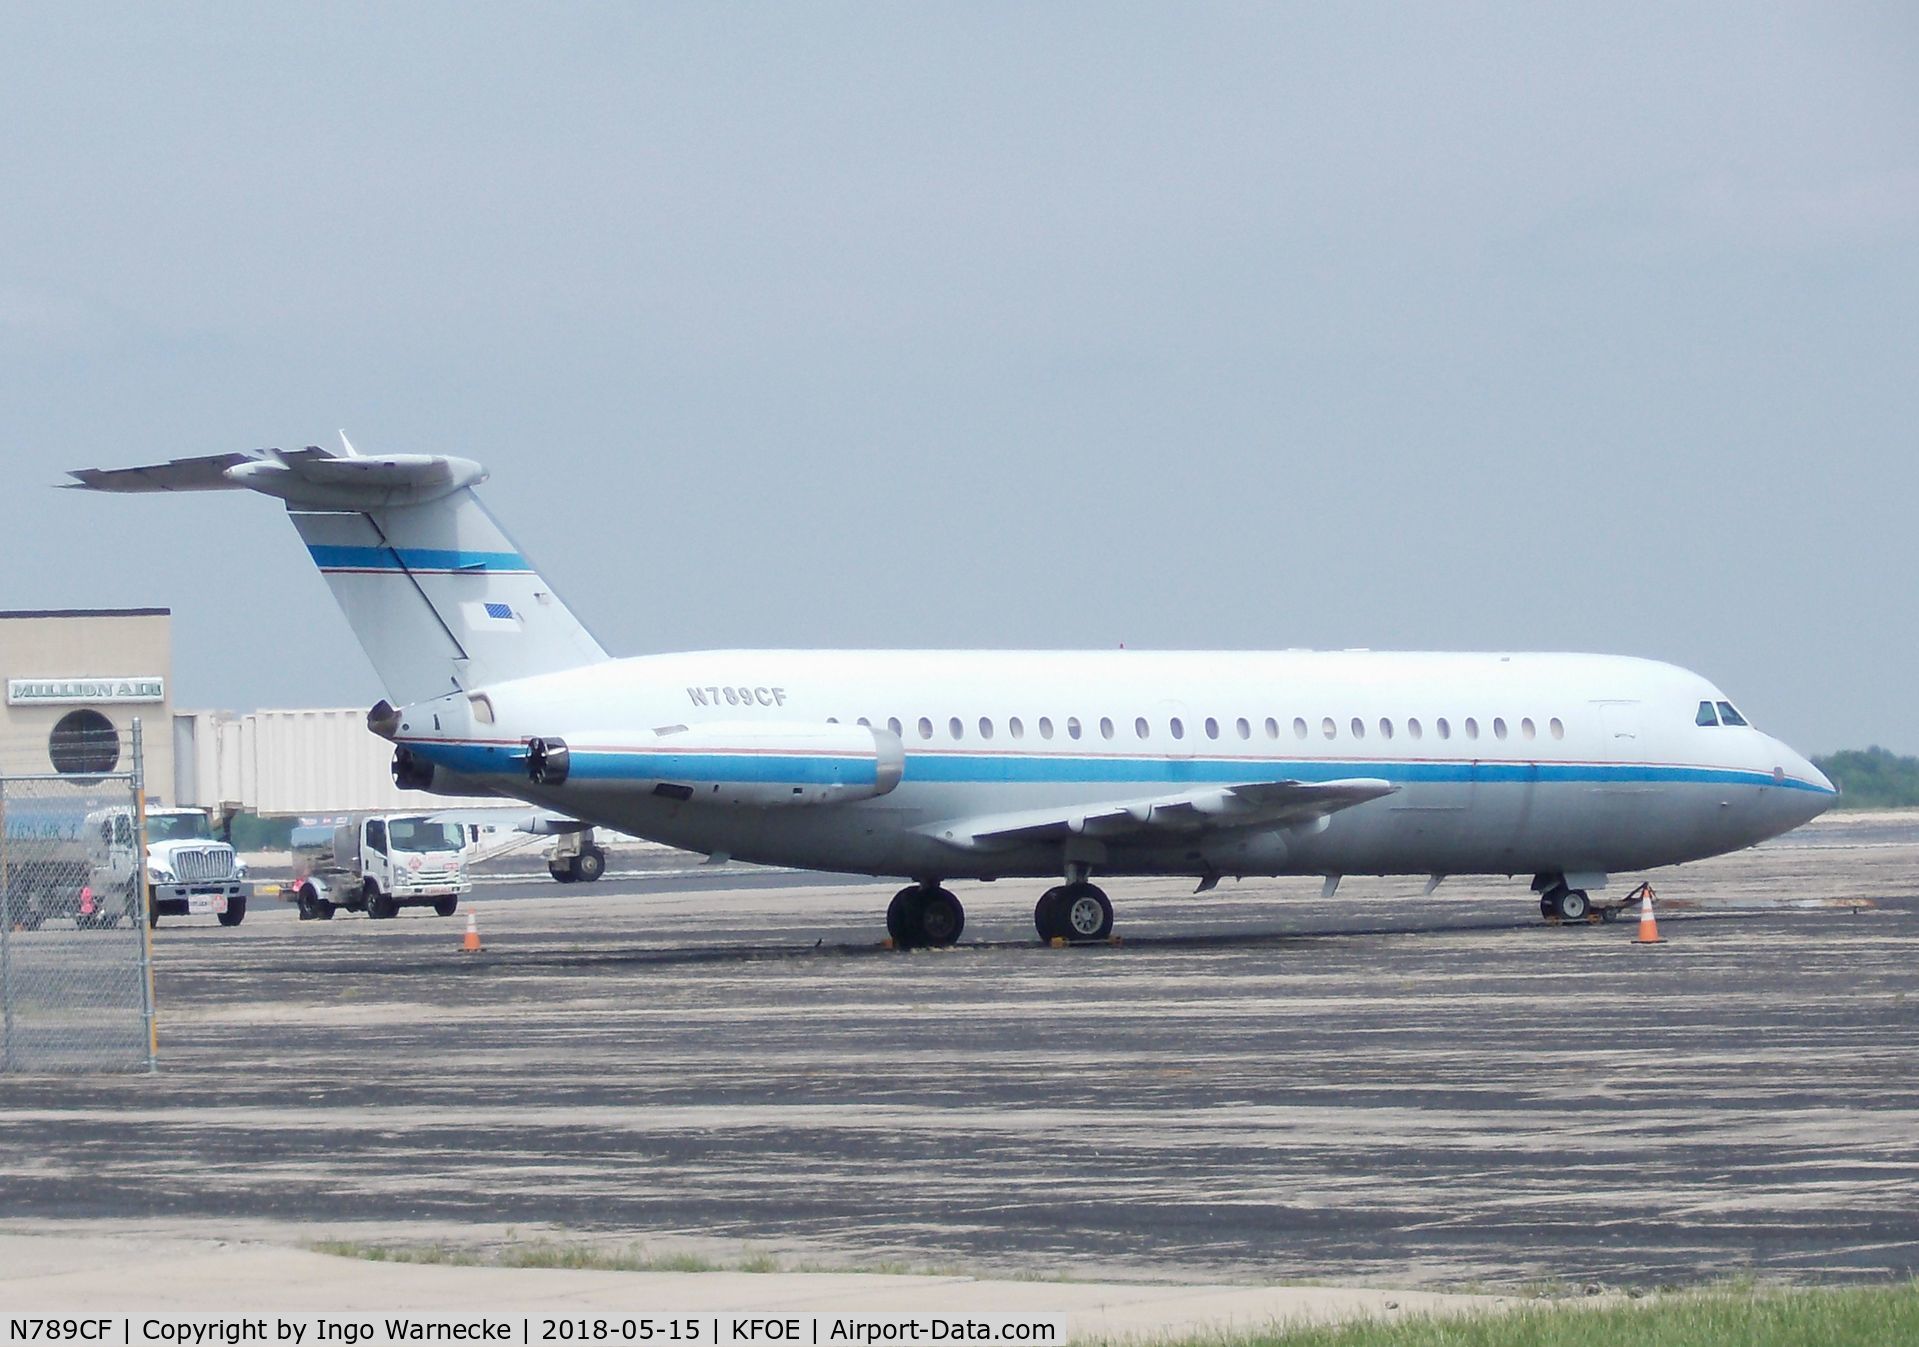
<point x="143" y="920"/>
<point x="6" y="940"/>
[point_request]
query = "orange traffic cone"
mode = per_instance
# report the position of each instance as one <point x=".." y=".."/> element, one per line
<point x="471" y="945"/>
<point x="1648" y="927"/>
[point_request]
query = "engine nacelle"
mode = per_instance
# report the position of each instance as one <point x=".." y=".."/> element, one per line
<point x="727" y="762"/>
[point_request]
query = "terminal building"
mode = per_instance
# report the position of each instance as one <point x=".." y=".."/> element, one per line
<point x="77" y="680"/>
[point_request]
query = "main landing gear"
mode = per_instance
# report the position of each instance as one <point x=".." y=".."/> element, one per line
<point x="924" y="915"/>
<point x="1073" y="912"/>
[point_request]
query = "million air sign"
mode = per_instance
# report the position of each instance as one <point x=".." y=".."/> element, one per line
<point x="72" y="691"/>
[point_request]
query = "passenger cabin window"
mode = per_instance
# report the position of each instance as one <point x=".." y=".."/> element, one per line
<point x="1499" y="727"/>
<point x="985" y="728"/>
<point x="1728" y="716"/>
<point x="1385" y="728"/>
<point x="1177" y="727"/>
<point x="926" y="728"/>
<point x="1106" y="727"/>
<point x="1445" y="729"/>
<point x="1706" y="715"/>
<point x="1412" y="727"/>
<point x="1472" y="728"/>
<point x="1072" y="727"/>
<point x="1045" y="727"/>
<point x="1327" y="728"/>
<point x="1526" y="730"/>
<point x="1015" y="728"/>
<point x="1299" y="727"/>
<point x="893" y="724"/>
<point x="1245" y="729"/>
<point x="1141" y="728"/>
<point x="956" y="728"/>
<point x="1212" y="728"/>
<point x="1558" y="729"/>
<point x="1359" y="728"/>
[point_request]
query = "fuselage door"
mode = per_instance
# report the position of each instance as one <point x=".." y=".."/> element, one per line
<point x="1621" y="722"/>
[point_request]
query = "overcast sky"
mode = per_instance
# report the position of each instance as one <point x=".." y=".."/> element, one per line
<point x="997" y="325"/>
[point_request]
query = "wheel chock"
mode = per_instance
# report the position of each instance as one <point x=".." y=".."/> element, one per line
<point x="1058" y="942"/>
<point x="1115" y="939"/>
<point x="888" y="943"/>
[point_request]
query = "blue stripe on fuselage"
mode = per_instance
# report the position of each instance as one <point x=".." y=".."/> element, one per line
<point x="1060" y="769"/>
<point x="332" y="557"/>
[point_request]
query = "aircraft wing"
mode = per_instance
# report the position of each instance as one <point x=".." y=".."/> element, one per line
<point x="1252" y="804"/>
<point x="514" y="818"/>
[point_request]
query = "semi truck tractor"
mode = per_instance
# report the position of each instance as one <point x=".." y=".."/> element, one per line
<point x="188" y="871"/>
<point x="378" y="865"/>
<point x="63" y="862"/>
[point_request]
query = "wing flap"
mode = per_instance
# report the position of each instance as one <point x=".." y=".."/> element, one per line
<point x="1252" y="804"/>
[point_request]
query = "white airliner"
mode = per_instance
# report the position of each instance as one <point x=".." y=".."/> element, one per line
<point x="938" y="765"/>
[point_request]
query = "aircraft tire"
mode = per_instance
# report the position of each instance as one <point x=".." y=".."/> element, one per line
<point x="1572" y="904"/>
<point x="941" y="918"/>
<point x="1085" y="913"/>
<point x="1548" y="907"/>
<point x="562" y="874"/>
<point x="589" y="865"/>
<point x="902" y="919"/>
<point x="1047" y="918"/>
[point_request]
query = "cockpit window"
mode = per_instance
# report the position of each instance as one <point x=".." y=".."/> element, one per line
<point x="1706" y="716"/>
<point x="1728" y="716"/>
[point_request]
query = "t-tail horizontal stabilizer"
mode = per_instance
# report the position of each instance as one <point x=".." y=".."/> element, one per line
<point x="439" y="596"/>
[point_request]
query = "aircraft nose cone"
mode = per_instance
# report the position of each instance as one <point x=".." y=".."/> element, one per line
<point x="1811" y="791"/>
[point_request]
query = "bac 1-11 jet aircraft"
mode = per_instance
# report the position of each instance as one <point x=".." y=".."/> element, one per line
<point x="948" y="764"/>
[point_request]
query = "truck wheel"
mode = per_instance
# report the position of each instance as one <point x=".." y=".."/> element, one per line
<point x="236" y="912"/>
<point x="305" y="902"/>
<point x="378" y="905"/>
<point x="589" y="865"/>
<point x="445" y="907"/>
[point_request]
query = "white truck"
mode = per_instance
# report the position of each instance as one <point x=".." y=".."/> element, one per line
<point x="188" y="871"/>
<point x="378" y="865"/>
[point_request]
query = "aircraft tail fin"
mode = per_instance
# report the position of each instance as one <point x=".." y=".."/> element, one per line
<point x="440" y="598"/>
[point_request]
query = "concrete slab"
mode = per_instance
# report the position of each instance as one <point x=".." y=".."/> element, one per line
<point x="188" y="1277"/>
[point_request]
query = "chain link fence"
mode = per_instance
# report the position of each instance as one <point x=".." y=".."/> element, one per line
<point x="76" y="990"/>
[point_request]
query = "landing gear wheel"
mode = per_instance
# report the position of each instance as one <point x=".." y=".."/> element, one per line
<point x="562" y="874"/>
<point x="1571" y="904"/>
<point x="1048" y="919"/>
<point x="1548" y="907"/>
<point x="1085" y="913"/>
<point x="902" y="918"/>
<point x="236" y="912"/>
<point x="445" y="907"/>
<point x="941" y="918"/>
<point x="589" y="865"/>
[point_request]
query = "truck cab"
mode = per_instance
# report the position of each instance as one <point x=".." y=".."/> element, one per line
<point x="186" y="869"/>
<point x="378" y="865"/>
